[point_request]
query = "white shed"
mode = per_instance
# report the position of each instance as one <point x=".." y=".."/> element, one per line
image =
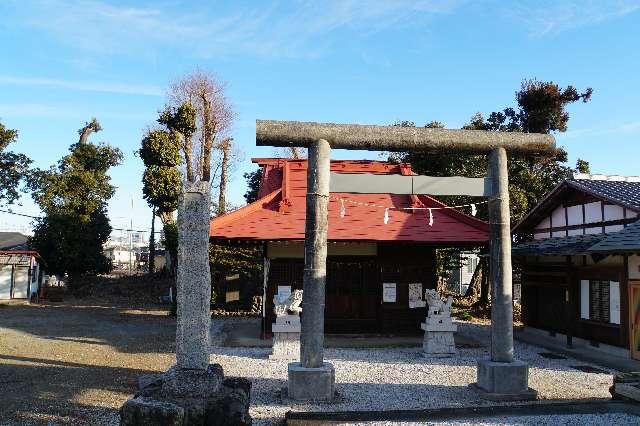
<point x="20" y="274"/>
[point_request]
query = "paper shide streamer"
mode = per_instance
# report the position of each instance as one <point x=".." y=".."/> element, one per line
<point x="343" y="210"/>
<point x="430" y="218"/>
<point x="386" y="216"/>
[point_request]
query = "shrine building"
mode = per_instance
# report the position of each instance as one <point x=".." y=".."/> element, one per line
<point x="381" y="247"/>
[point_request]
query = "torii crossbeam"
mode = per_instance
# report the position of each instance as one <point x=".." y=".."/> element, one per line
<point x="500" y="377"/>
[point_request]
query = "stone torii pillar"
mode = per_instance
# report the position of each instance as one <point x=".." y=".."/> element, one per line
<point x="501" y="377"/>
<point x="312" y="378"/>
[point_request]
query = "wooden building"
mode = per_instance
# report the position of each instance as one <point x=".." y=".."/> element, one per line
<point x="380" y="261"/>
<point x="580" y="263"/>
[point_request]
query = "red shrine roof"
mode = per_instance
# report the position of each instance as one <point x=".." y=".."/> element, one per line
<point x="279" y="213"/>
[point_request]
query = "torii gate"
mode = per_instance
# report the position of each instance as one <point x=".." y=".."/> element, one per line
<point x="501" y="376"/>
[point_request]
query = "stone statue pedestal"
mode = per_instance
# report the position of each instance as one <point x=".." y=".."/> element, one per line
<point x="188" y="397"/>
<point x="286" y="338"/>
<point x="438" y="336"/>
<point x="193" y="392"/>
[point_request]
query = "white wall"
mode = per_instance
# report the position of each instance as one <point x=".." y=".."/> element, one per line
<point x="574" y="215"/>
<point x="558" y="218"/>
<point x="545" y="223"/>
<point x="613" y="228"/>
<point x="612" y="212"/>
<point x="5" y="281"/>
<point x="593" y="212"/>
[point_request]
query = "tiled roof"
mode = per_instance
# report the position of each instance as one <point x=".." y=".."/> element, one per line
<point x="13" y="241"/>
<point x="626" y="240"/>
<point x="280" y="213"/>
<point x="620" y="191"/>
<point x="624" y="193"/>
<point x="558" y="246"/>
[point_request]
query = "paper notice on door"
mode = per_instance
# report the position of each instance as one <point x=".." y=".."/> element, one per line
<point x="388" y="292"/>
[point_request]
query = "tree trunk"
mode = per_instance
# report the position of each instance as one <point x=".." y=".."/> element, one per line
<point x="224" y="171"/>
<point x="207" y="139"/>
<point x="485" y="289"/>
<point x="188" y="157"/>
<point x="152" y="243"/>
<point x="92" y="126"/>
<point x="167" y="220"/>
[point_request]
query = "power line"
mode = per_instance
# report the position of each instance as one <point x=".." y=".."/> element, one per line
<point x="20" y="214"/>
<point x="40" y="217"/>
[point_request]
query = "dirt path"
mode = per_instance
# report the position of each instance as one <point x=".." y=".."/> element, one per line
<point x="63" y="364"/>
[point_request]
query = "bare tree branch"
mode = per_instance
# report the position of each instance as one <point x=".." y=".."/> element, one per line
<point x="214" y="117"/>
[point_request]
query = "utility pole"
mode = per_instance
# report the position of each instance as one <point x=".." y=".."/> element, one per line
<point x="131" y="239"/>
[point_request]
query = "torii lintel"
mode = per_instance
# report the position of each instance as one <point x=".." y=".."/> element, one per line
<point x="398" y="138"/>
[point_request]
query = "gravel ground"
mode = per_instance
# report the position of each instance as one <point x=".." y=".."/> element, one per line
<point x="386" y="379"/>
<point x="551" y="420"/>
<point x="78" y="364"/>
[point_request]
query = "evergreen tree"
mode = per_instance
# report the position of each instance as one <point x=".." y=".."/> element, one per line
<point x="541" y="109"/>
<point x="160" y="153"/>
<point x="253" y="185"/>
<point x="13" y="167"/>
<point x="73" y="197"/>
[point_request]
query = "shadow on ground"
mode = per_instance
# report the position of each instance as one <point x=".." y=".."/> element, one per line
<point x="125" y="329"/>
<point x="43" y="390"/>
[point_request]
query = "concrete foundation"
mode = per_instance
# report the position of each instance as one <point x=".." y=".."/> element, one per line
<point x="504" y="381"/>
<point x="311" y="384"/>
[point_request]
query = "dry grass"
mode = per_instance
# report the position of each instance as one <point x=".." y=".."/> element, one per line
<point x="136" y="290"/>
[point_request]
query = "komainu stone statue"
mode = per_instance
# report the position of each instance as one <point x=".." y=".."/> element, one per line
<point x="438" y="327"/>
<point x="288" y="305"/>
<point x="436" y="304"/>
<point x="286" y="329"/>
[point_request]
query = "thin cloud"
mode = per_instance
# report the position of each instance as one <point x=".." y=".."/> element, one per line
<point x="125" y="89"/>
<point x="552" y="17"/>
<point x="624" y="128"/>
<point x="35" y="110"/>
<point x="291" y="29"/>
<point x="60" y="111"/>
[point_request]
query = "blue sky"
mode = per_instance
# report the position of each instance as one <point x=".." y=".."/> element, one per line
<point x="370" y="62"/>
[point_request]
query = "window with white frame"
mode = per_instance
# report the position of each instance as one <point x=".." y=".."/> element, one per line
<point x="600" y="301"/>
